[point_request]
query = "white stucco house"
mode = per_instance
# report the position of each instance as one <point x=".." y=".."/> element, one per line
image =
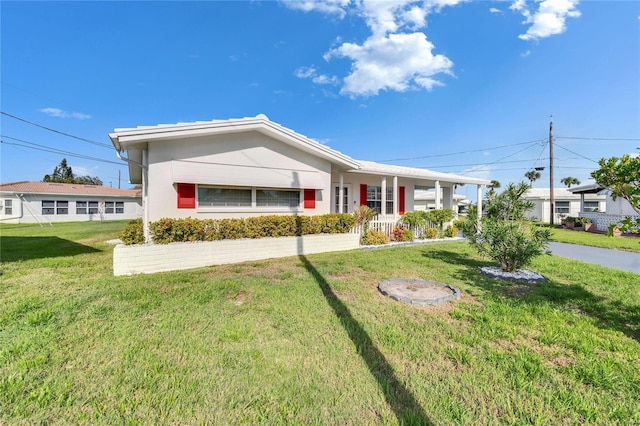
<point x="566" y="202"/>
<point x="48" y="202"/>
<point x="613" y="212"/>
<point x="252" y="166"/>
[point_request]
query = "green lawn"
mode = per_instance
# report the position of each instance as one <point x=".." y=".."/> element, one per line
<point x="596" y="240"/>
<point x="308" y="340"/>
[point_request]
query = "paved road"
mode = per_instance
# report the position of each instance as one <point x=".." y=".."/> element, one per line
<point x="624" y="260"/>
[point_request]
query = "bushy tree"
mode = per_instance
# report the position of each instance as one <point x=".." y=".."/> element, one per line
<point x="63" y="173"/>
<point x="622" y="177"/>
<point x="569" y="180"/>
<point x="505" y="235"/>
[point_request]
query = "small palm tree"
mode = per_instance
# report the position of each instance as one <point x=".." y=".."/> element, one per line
<point x="532" y="175"/>
<point x="570" y="181"/>
<point x="494" y="184"/>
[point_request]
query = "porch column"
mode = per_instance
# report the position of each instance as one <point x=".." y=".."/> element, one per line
<point x="145" y="195"/>
<point x="581" y="202"/>
<point x="479" y="223"/>
<point x="383" y="188"/>
<point x="341" y="194"/>
<point x="438" y="206"/>
<point x="447" y="197"/>
<point x="395" y="196"/>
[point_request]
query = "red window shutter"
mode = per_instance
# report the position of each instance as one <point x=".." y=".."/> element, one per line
<point x="363" y="194"/>
<point x="309" y="198"/>
<point x="401" y="199"/>
<point x="186" y="196"/>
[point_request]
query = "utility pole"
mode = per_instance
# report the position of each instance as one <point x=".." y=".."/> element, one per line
<point x="118" y="178"/>
<point x="552" y="200"/>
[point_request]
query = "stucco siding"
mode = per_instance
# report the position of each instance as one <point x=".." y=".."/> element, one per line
<point x="29" y="209"/>
<point x="246" y="160"/>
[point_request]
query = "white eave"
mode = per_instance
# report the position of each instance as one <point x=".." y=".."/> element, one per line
<point x="138" y="137"/>
<point x="370" y="167"/>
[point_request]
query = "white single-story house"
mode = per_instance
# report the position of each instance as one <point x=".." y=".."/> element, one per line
<point x="426" y="200"/>
<point x="613" y="212"/>
<point x="253" y="166"/>
<point x="48" y="202"/>
<point x="566" y="203"/>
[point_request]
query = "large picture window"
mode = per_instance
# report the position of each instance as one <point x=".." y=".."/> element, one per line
<point x="223" y="197"/>
<point x="591" y="206"/>
<point x="277" y="198"/>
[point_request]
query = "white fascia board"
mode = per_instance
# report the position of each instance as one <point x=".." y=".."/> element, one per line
<point x="123" y="138"/>
<point x="371" y="168"/>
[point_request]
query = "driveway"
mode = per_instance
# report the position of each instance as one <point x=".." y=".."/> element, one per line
<point x="624" y="260"/>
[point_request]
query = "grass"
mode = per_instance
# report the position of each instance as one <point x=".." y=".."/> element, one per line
<point x="308" y="340"/>
<point x="627" y="243"/>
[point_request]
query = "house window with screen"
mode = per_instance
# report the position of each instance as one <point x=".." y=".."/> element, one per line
<point x="277" y="198"/>
<point x="8" y="207"/>
<point x="223" y="197"/>
<point x="51" y="207"/>
<point x="562" y="207"/>
<point x="111" y="207"/>
<point x="591" y="206"/>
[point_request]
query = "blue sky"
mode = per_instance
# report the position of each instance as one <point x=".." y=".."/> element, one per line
<point x="454" y="86"/>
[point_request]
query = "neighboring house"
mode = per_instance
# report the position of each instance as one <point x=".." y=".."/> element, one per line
<point x="47" y="202"/>
<point x="566" y="203"/>
<point x="614" y="210"/>
<point x="253" y="166"/>
<point x="426" y="200"/>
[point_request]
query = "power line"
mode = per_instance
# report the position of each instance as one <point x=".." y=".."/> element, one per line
<point x="38" y="147"/>
<point x="597" y="139"/>
<point x="573" y="152"/>
<point x="461" y="152"/>
<point x="103" y="145"/>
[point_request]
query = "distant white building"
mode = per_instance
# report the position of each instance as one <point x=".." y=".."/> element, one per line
<point x="426" y="200"/>
<point x="566" y="203"/>
<point x="614" y="210"/>
<point x="48" y="202"/>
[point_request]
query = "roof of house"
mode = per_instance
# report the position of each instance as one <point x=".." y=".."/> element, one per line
<point x="559" y="194"/>
<point x="134" y="139"/>
<point x="370" y="167"/>
<point x="589" y="188"/>
<point x="28" y="187"/>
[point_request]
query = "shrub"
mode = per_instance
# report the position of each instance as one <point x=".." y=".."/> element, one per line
<point x="375" y="238"/>
<point x="231" y="229"/>
<point x="407" y="235"/>
<point x="133" y="233"/>
<point x="451" y="231"/>
<point x="431" y="233"/>
<point x="505" y="235"/>
<point x="398" y="233"/>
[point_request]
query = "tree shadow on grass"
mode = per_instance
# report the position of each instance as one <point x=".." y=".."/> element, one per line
<point x="403" y="403"/>
<point x="614" y="315"/>
<point x="13" y="249"/>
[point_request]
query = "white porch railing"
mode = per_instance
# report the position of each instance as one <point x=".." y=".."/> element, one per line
<point x="386" y="224"/>
<point x="601" y="221"/>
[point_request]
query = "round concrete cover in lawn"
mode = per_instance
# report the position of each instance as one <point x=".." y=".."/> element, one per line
<point x="418" y="292"/>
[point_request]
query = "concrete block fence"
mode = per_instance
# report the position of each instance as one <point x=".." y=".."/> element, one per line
<point x="149" y="259"/>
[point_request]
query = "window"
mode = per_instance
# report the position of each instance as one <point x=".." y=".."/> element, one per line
<point x="81" y="207"/>
<point x="48" y="207"/>
<point x="345" y="200"/>
<point x="562" y="207"/>
<point x="223" y="197"/>
<point x="8" y="207"/>
<point x="62" y="207"/>
<point x="111" y="207"/>
<point x="374" y="199"/>
<point x="277" y="198"/>
<point x="93" y="207"/>
<point x="591" y="206"/>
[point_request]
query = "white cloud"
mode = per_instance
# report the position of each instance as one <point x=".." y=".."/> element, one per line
<point x="495" y="10"/>
<point x="332" y="7"/>
<point x="395" y="62"/>
<point x="549" y="19"/>
<point x="395" y="57"/>
<point x="312" y="73"/>
<point x="57" y="112"/>
<point x="525" y="54"/>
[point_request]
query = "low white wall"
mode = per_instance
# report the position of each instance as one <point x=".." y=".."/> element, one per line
<point x="148" y="259"/>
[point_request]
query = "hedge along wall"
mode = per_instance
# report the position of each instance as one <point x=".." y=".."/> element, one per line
<point x="148" y="259"/>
